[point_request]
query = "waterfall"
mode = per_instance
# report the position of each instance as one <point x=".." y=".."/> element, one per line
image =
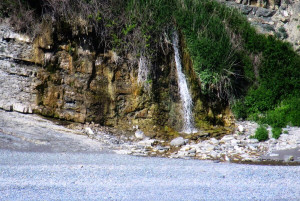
<point x="185" y="95"/>
<point x="143" y="70"/>
<point x="143" y="73"/>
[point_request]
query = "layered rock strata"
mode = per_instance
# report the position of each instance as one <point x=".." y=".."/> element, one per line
<point x="18" y="73"/>
<point x="71" y="80"/>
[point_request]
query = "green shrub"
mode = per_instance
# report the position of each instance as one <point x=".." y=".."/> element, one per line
<point x="288" y="112"/>
<point x="276" y="132"/>
<point x="258" y="100"/>
<point x="261" y="133"/>
<point x="239" y="110"/>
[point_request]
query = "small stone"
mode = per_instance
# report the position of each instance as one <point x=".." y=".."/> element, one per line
<point x="263" y="12"/>
<point x="179" y="141"/>
<point x="246" y="9"/>
<point x="288" y="158"/>
<point x="252" y="141"/>
<point x="234" y="142"/>
<point x="226" y="138"/>
<point x="227" y="158"/>
<point x="241" y="128"/>
<point x="139" y="134"/>
<point x="146" y="143"/>
<point x="272" y="141"/>
<point x="285" y="13"/>
<point x="284" y="136"/>
<point x="245" y="155"/>
<point x="252" y="148"/>
<point x="213" y="154"/>
<point x="185" y="148"/>
<point x="274" y="155"/>
<point x="181" y="154"/>
<point x="192" y="154"/>
<point x="209" y="147"/>
<point x="214" y="141"/>
<point x="161" y="151"/>
<point x="89" y="131"/>
<point x="254" y="145"/>
<point x="193" y="150"/>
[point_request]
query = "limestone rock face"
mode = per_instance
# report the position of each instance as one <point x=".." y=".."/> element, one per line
<point x="17" y="72"/>
<point x="67" y="78"/>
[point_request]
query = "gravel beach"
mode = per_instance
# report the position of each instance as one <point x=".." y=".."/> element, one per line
<point x="40" y="160"/>
<point x="96" y="176"/>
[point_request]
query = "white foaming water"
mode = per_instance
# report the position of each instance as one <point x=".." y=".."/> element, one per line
<point x="143" y="70"/>
<point x="185" y="95"/>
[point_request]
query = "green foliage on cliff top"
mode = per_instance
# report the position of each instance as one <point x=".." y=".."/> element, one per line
<point x="255" y="73"/>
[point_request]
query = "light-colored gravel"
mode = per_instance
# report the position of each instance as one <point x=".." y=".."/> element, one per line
<point x="94" y="176"/>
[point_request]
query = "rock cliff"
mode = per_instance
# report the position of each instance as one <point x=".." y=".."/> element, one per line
<point x="64" y="77"/>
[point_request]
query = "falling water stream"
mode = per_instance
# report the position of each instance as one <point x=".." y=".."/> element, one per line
<point x="185" y="95"/>
<point x="143" y="70"/>
<point x="143" y="73"/>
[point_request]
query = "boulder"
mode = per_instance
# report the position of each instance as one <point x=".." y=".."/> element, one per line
<point x="177" y="142"/>
<point x="241" y="128"/>
<point x="89" y="131"/>
<point x="263" y="12"/>
<point x="288" y="158"/>
<point x="214" y="141"/>
<point x="246" y="9"/>
<point x="139" y="134"/>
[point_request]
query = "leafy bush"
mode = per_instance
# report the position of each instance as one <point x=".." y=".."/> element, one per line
<point x="288" y="112"/>
<point x="239" y="110"/>
<point x="261" y="133"/>
<point x="276" y="132"/>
